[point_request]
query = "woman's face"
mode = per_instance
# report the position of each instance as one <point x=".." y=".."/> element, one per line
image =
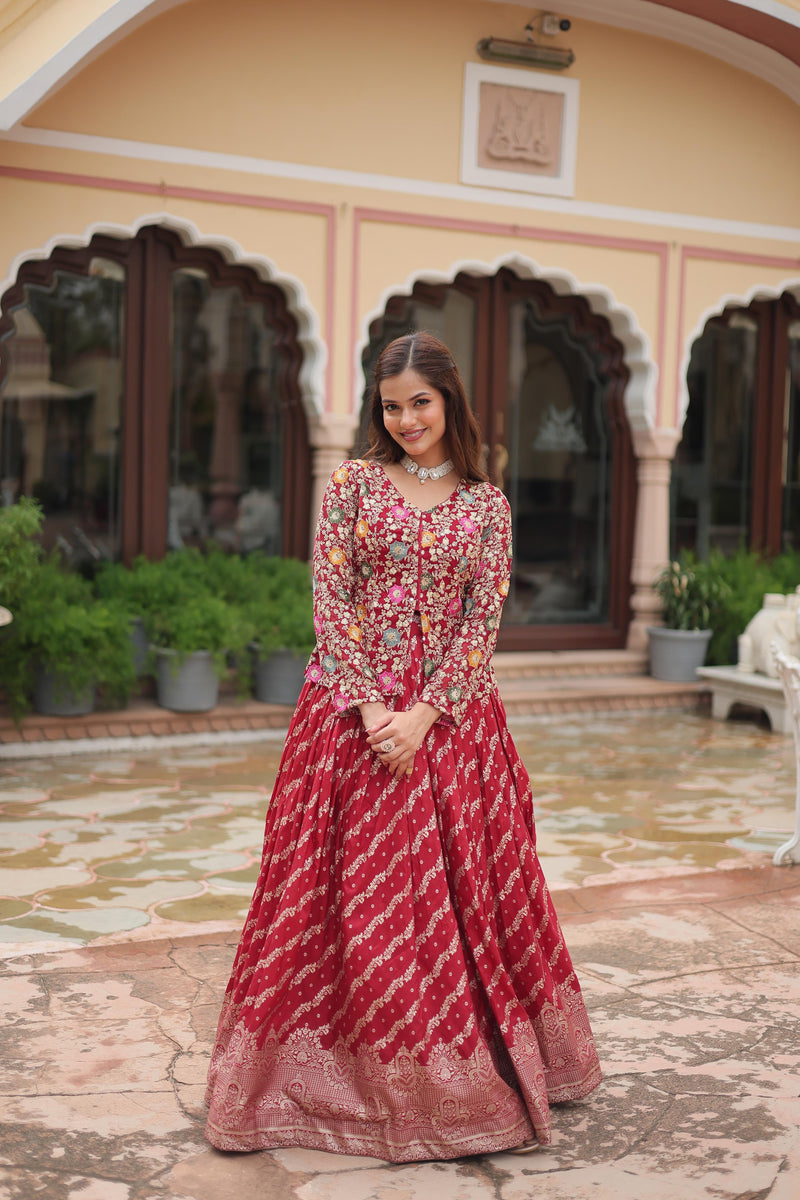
<point x="414" y="415"/>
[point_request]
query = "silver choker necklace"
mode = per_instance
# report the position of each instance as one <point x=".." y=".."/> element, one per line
<point x="423" y="473"/>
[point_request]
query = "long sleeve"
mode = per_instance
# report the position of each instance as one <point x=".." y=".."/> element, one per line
<point x="467" y="659"/>
<point x="341" y="664"/>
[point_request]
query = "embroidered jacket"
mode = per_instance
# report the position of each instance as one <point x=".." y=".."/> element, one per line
<point x="378" y="560"/>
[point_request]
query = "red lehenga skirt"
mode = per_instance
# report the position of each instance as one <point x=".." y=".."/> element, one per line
<point x="401" y="988"/>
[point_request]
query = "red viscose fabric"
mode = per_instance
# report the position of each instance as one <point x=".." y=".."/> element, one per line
<point x="402" y="988"/>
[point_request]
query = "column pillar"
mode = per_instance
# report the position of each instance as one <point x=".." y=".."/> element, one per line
<point x="331" y="436"/>
<point x="655" y="449"/>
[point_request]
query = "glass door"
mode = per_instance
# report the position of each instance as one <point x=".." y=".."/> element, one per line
<point x="545" y="377"/>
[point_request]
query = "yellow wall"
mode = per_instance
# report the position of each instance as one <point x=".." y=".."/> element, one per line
<point x="375" y="87"/>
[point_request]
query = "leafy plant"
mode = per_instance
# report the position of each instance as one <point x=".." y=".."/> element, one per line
<point x="60" y="627"/>
<point x="691" y="592"/>
<point x="748" y="577"/>
<point x="20" y="553"/>
<point x="200" y="622"/>
<point x="280" y="613"/>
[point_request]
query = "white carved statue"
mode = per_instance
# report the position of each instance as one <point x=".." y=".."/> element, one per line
<point x="777" y="622"/>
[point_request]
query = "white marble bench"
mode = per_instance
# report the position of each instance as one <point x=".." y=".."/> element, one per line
<point x="729" y="686"/>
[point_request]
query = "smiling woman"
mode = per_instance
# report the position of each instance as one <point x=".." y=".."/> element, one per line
<point x="402" y="987"/>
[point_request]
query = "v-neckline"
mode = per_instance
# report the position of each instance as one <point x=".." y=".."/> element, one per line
<point x="408" y="503"/>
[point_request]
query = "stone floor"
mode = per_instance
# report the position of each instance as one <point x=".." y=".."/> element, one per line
<point x="126" y="877"/>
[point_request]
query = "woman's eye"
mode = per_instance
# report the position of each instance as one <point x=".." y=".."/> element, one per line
<point x="422" y="400"/>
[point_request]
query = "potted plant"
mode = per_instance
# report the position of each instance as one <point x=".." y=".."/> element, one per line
<point x="191" y="640"/>
<point x="690" y="592"/>
<point x="65" y="644"/>
<point x="20" y="553"/>
<point x="281" y="626"/>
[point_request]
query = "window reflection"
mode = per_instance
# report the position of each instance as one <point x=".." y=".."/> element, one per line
<point x="226" y="432"/>
<point x="712" y="473"/>
<point x="555" y="467"/>
<point x="60" y="407"/>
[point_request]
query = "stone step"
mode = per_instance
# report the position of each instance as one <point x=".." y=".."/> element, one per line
<point x="524" y="694"/>
<point x="598" y="693"/>
<point x="554" y="664"/>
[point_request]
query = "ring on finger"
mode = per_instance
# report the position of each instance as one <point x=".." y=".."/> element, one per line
<point x="387" y="747"/>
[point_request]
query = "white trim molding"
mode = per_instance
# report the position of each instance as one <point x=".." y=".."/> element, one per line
<point x="397" y="184"/>
<point x="315" y="352"/>
<point x="640" y="394"/>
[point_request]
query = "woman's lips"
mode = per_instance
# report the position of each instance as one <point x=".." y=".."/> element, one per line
<point x="412" y="437"/>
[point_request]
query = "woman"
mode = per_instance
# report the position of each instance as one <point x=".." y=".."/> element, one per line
<point x="401" y="987"/>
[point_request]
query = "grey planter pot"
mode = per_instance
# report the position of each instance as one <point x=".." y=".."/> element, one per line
<point x="54" y="695"/>
<point x="675" y="654"/>
<point x="189" y="686"/>
<point x="278" y="678"/>
<point x="139" y="645"/>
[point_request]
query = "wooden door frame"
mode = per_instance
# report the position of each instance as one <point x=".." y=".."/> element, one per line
<point x="149" y="258"/>
<point x="488" y="400"/>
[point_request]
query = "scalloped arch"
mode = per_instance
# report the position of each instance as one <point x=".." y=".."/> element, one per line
<point x="315" y="352"/>
<point x="640" y="393"/>
<point x="757" y="292"/>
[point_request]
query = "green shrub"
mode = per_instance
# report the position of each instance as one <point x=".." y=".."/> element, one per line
<point x="691" y="593"/>
<point x="20" y="553"/>
<point x="748" y="577"/>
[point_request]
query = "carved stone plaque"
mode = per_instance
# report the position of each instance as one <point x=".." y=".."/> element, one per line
<point x="520" y="129"/>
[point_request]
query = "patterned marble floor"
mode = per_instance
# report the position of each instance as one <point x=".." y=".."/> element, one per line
<point x="111" y="848"/>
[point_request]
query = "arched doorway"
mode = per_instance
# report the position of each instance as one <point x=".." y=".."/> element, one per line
<point x="736" y="475"/>
<point x="149" y="398"/>
<point x="546" y="378"/>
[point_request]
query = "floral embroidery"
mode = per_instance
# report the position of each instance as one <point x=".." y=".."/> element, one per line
<point x="369" y="581"/>
<point x="313" y="672"/>
<point x="340" y="702"/>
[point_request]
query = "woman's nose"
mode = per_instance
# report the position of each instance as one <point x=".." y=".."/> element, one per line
<point x="406" y="418"/>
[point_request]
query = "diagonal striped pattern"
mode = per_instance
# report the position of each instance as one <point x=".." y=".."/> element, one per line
<point x="401" y="988"/>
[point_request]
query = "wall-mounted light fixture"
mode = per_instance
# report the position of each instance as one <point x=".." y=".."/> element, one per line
<point x="530" y="53"/>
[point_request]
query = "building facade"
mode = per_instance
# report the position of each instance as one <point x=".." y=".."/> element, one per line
<point x="214" y="217"/>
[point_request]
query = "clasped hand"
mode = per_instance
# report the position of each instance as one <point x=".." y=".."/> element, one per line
<point x="406" y="730"/>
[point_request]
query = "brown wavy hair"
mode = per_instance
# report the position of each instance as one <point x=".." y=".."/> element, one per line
<point x="433" y="362"/>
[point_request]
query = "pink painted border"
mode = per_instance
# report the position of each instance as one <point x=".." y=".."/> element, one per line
<point x="714" y="254"/>
<point x="210" y="196"/>
<point x="509" y="230"/>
